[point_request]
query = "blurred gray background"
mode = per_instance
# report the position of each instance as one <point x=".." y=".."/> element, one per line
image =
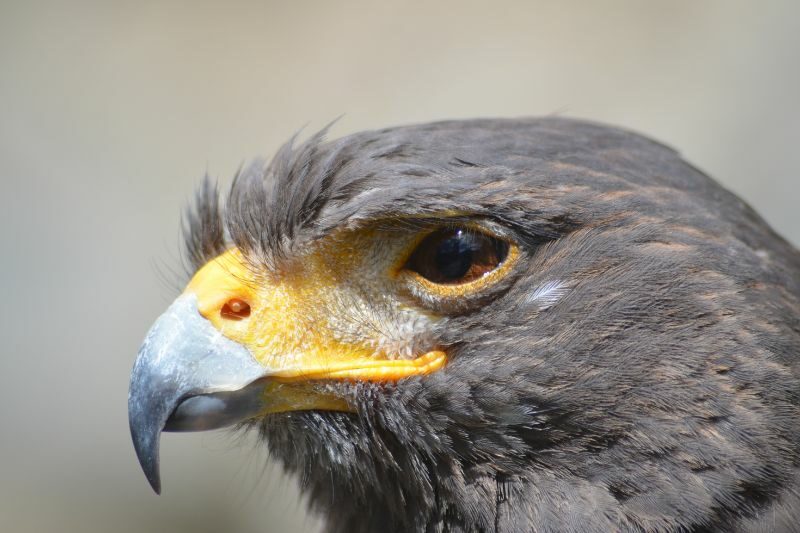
<point x="112" y="112"/>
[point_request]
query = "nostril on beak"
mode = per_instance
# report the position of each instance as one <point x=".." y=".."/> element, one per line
<point x="235" y="309"/>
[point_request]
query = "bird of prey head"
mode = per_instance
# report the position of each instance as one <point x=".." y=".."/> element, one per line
<point x="491" y="325"/>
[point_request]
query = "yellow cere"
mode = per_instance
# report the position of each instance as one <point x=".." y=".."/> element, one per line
<point x="290" y="329"/>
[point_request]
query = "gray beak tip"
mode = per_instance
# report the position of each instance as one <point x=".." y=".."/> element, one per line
<point x="155" y="482"/>
<point x="182" y="364"/>
<point x="149" y="465"/>
<point x="146" y="445"/>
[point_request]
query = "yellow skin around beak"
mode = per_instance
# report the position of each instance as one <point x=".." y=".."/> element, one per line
<point x="247" y="339"/>
<point x="288" y="330"/>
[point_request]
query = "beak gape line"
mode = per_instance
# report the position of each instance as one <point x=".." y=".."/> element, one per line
<point x="188" y="377"/>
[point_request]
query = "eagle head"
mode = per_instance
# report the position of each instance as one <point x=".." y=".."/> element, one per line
<point x="494" y="325"/>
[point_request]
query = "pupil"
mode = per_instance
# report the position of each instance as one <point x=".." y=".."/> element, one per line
<point x="454" y="256"/>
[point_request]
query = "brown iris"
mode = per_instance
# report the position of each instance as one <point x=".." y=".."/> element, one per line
<point x="457" y="255"/>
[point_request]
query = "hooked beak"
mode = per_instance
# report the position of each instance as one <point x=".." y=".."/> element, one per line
<point x="188" y="377"/>
<point x="205" y="365"/>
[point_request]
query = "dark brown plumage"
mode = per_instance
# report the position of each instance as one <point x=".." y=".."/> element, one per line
<point x="639" y="370"/>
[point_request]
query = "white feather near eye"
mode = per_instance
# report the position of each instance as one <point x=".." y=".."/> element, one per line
<point x="547" y="294"/>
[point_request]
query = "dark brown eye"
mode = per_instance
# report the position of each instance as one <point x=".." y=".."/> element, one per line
<point x="454" y="256"/>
